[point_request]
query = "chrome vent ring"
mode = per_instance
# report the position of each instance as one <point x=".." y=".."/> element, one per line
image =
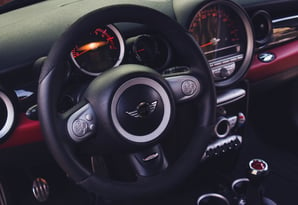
<point x="7" y="114"/>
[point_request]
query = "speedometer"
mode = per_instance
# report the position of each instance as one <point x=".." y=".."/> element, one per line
<point x="99" y="50"/>
<point x="224" y="34"/>
<point x="218" y="32"/>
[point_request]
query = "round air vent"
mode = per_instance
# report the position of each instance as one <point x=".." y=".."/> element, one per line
<point x="262" y="24"/>
<point x="7" y="112"/>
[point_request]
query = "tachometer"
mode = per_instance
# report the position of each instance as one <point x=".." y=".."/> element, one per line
<point x="152" y="51"/>
<point x="99" y="50"/>
<point x="224" y="34"/>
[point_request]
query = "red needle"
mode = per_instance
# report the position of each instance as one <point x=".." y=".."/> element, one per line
<point x="207" y="44"/>
<point x="141" y="50"/>
<point x="81" y="53"/>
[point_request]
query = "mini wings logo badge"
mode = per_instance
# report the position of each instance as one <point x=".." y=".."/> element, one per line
<point x="144" y="109"/>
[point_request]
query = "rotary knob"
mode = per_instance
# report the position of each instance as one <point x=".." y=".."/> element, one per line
<point x="224" y="73"/>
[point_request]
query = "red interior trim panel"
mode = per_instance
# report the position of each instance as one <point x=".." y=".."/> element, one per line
<point x="286" y="58"/>
<point x="26" y="132"/>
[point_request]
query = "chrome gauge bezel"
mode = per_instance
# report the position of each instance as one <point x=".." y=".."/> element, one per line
<point x="241" y="70"/>
<point x="121" y="52"/>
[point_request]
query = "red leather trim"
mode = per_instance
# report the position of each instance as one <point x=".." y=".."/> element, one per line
<point x="27" y="131"/>
<point x="286" y="58"/>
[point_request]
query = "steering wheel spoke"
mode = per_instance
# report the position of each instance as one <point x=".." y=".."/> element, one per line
<point x="185" y="86"/>
<point x="80" y="122"/>
<point x="149" y="162"/>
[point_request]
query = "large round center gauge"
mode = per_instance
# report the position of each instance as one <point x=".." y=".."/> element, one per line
<point x="224" y="34"/>
<point x="99" y="50"/>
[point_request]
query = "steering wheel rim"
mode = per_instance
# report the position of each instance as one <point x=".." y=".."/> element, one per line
<point x="51" y="81"/>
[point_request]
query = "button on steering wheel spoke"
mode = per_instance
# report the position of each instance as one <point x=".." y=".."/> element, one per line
<point x="185" y="86"/>
<point x="81" y="123"/>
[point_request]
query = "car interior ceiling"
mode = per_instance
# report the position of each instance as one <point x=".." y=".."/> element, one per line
<point x="149" y="102"/>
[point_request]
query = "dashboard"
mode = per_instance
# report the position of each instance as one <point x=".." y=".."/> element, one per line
<point x="242" y="47"/>
<point x="241" y="40"/>
<point x="227" y="43"/>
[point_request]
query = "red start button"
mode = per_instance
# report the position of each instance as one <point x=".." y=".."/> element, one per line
<point x="258" y="165"/>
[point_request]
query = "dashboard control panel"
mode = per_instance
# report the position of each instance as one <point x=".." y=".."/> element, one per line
<point x="229" y="128"/>
<point x="224" y="68"/>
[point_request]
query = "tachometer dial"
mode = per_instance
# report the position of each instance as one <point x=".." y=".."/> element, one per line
<point x="151" y="51"/>
<point x="98" y="51"/>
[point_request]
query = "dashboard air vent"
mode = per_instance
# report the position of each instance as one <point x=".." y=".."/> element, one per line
<point x="262" y="24"/>
<point x="7" y="114"/>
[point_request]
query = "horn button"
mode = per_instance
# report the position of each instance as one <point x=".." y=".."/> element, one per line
<point x="141" y="109"/>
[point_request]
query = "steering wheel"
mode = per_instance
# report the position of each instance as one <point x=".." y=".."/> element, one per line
<point x="129" y="110"/>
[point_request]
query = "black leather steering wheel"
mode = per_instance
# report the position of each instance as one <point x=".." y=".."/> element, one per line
<point x="111" y="117"/>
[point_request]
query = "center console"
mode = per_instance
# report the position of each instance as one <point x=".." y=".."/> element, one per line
<point x="244" y="191"/>
<point x="230" y="126"/>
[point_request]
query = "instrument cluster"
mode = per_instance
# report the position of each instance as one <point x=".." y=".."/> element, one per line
<point x="105" y="48"/>
<point x="221" y="28"/>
